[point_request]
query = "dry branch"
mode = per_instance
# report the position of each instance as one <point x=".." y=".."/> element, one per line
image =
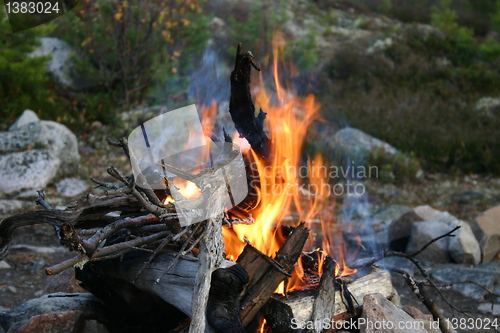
<point x="241" y="106"/>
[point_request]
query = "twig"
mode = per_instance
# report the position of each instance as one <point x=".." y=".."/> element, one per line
<point x="41" y="200"/>
<point x="411" y="257"/>
<point x="153" y="255"/>
<point x="108" y="250"/>
<point x="448" y="234"/>
<point x="418" y="290"/>
<point x="179" y="254"/>
<point x="90" y="245"/>
<point x="107" y="185"/>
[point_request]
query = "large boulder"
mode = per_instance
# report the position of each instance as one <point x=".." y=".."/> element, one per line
<point x="71" y="187"/>
<point x="10" y="206"/>
<point x="464" y="248"/>
<point x="358" y="142"/>
<point x="30" y="169"/>
<point x="487" y="275"/>
<point x="422" y="233"/>
<point x="32" y="151"/>
<point x="488" y="233"/>
<point x="427" y="213"/>
<point x="400" y="230"/>
<point x="61" y="64"/>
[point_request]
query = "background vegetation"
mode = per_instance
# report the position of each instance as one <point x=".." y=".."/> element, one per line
<point x="419" y="92"/>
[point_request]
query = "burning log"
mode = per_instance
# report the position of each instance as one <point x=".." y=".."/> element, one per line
<point x="241" y="106"/>
<point x="173" y="280"/>
<point x="324" y="304"/>
<point x="168" y="278"/>
<point x="302" y="306"/>
<point x="265" y="276"/>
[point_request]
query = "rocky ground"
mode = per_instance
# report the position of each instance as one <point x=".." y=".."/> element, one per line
<point x="456" y="197"/>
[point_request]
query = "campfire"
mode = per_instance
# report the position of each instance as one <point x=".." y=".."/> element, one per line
<point x="274" y="261"/>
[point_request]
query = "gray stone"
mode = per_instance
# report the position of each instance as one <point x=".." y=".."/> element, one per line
<point x="29" y="194"/>
<point x="10" y="206"/>
<point x="371" y="230"/>
<point x="32" y="152"/>
<point x="487" y="308"/>
<point x="22" y="138"/>
<point x="422" y="233"/>
<point x="489" y="233"/>
<point x="427" y="213"/>
<point x="71" y="187"/>
<point x="30" y="134"/>
<point x="51" y="311"/>
<point x="483" y="275"/>
<point x="61" y="65"/>
<point x="12" y="289"/>
<point x="464" y="248"/>
<point x="4" y="265"/>
<point x="60" y="140"/>
<point x="390" y="213"/>
<point x="27" y="170"/>
<point x="355" y="141"/>
<point x="27" y="117"/>
<point x="400" y="230"/>
<point x="39" y="249"/>
<point x="467" y="197"/>
<point x="396" y="263"/>
<point x="377" y="309"/>
<point x="488" y="106"/>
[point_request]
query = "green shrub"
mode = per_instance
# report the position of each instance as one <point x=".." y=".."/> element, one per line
<point x="131" y="47"/>
<point x="254" y="24"/>
<point x="385" y="7"/>
<point x="24" y="82"/>
<point x="490" y="50"/>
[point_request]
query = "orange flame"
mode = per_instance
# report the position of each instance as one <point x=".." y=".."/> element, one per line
<point x="288" y="117"/>
<point x="262" y="328"/>
<point x="283" y="188"/>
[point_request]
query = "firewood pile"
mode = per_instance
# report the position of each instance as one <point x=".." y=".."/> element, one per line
<point x="153" y="274"/>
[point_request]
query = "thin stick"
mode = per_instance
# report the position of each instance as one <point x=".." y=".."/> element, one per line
<point x="105" y="251"/>
<point x="448" y="234"/>
<point x="419" y="291"/>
